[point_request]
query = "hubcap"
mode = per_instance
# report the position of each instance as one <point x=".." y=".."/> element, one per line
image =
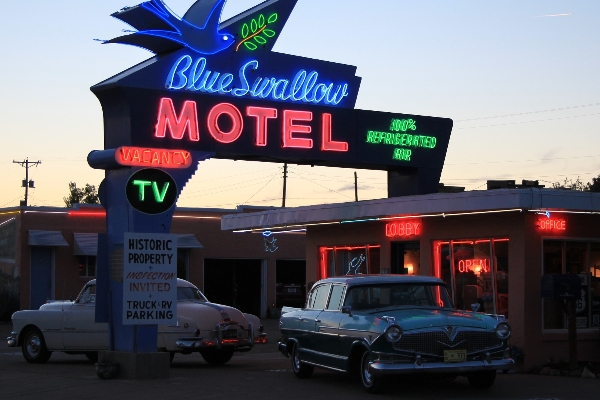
<point x="296" y="359"/>
<point x="33" y="346"/>
<point x="365" y="367"/>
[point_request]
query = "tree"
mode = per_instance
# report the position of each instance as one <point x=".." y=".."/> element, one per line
<point x="86" y="195"/>
<point x="593" y="186"/>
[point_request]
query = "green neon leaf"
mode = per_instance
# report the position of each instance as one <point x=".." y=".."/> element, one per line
<point x="269" y="33"/>
<point x="253" y="26"/>
<point x="245" y="30"/>
<point x="273" y="18"/>
<point x="250" y="46"/>
<point x="261" y="21"/>
<point x="259" y="39"/>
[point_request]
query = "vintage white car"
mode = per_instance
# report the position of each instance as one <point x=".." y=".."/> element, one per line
<point x="215" y="331"/>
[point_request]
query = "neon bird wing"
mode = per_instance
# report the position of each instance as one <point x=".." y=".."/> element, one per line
<point x="205" y="14"/>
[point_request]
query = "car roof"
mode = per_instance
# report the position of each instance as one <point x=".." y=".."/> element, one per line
<point x="357" y="280"/>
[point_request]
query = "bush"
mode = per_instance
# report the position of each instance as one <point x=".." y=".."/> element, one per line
<point x="9" y="296"/>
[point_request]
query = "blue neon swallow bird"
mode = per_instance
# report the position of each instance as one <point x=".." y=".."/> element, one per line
<point x="161" y="31"/>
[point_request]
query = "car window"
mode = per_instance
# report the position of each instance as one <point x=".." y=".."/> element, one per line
<point x="87" y="295"/>
<point x="190" y="293"/>
<point x="387" y="295"/>
<point x="336" y="298"/>
<point x="318" y="297"/>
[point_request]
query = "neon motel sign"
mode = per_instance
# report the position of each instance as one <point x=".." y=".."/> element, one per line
<point x="404" y="142"/>
<point x="150" y="157"/>
<point x="292" y="128"/>
<point x="305" y="87"/>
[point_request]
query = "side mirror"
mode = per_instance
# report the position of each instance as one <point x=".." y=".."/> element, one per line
<point x="475" y="307"/>
<point x="347" y="310"/>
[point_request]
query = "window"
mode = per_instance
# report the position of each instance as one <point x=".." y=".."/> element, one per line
<point x="476" y="272"/>
<point x="398" y="296"/>
<point x="349" y="260"/>
<point x="337" y="295"/>
<point x="318" y="297"/>
<point x="87" y="266"/>
<point x="87" y="295"/>
<point x="573" y="257"/>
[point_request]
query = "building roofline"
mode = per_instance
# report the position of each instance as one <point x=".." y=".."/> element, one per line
<point x="442" y="204"/>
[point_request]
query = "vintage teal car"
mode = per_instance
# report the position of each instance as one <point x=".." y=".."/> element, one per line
<point x="375" y="325"/>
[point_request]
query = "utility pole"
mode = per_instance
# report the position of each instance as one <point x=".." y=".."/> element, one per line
<point x="27" y="183"/>
<point x="355" y="186"/>
<point x="284" y="184"/>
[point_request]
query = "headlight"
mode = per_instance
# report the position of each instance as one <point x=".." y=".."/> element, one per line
<point x="393" y="333"/>
<point x="503" y="330"/>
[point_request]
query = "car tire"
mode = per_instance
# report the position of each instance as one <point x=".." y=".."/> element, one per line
<point x="217" y="357"/>
<point x="371" y="383"/>
<point x="482" y="379"/>
<point x="300" y="369"/>
<point x="92" y="356"/>
<point x="34" y="347"/>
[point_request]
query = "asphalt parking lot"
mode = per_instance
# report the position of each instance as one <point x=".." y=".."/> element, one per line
<point x="262" y="373"/>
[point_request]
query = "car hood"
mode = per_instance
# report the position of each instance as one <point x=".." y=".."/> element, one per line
<point x="58" y="305"/>
<point x="411" y="319"/>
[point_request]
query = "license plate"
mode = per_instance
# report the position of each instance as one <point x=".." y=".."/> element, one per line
<point x="229" y="334"/>
<point x="453" y="356"/>
<point x="292" y="290"/>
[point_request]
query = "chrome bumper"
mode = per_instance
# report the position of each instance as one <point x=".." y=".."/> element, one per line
<point x="12" y="339"/>
<point x="382" y="368"/>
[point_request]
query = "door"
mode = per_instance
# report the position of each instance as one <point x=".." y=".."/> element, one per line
<point x="42" y="260"/>
<point x="328" y="324"/>
<point x="234" y="282"/>
<point x="80" y="330"/>
<point x="309" y="320"/>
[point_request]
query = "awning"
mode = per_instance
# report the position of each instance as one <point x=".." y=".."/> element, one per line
<point x="46" y="238"/>
<point x="85" y="244"/>
<point x="188" y="241"/>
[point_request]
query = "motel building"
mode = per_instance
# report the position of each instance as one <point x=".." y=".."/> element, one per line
<point x="53" y="253"/>
<point x="491" y="247"/>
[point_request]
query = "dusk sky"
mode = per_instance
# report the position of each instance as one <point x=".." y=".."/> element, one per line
<point x="518" y="77"/>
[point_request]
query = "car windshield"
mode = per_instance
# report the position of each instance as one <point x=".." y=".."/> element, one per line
<point x="398" y="295"/>
<point x="190" y="293"/>
<point x="87" y="295"/>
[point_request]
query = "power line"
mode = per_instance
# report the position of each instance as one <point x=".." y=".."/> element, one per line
<point x="530" y="112"/>
<point x="529" y="122"/>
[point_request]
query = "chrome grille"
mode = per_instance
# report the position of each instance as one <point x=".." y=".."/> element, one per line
<point x="434" y="343"/>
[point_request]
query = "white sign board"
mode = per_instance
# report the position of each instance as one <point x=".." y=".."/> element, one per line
<point x="149" y="279"/>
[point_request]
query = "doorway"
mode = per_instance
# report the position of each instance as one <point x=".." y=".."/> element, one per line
<point x="234" y="282"/>
<point x="42" y="266"/>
